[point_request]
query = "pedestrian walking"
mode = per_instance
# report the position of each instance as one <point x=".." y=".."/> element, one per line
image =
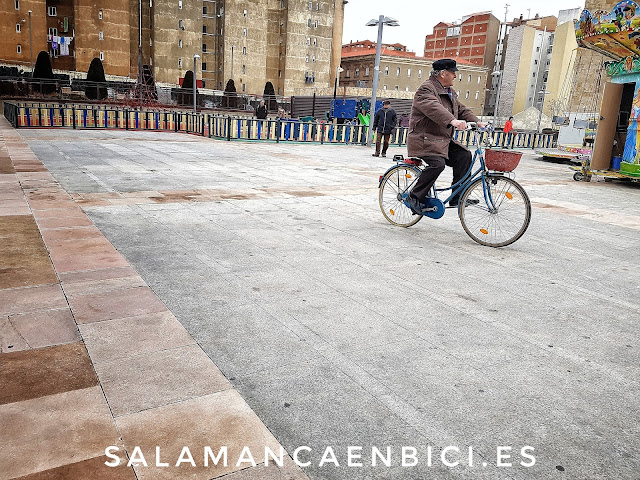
<point x="262" y="111"/>
<point x="384" y="122"/>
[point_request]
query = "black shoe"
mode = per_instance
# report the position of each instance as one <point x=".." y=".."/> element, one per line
<point x="472" y="201"/>
<point x="414" y="204"/>
<point x="384" y="154"/>
<point x="375" y="155"/>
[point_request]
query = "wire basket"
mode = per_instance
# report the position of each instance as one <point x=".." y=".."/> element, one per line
<point x="501" y="160"/>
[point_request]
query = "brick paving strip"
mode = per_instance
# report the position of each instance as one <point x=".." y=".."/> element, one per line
<point x="91" y="358"/>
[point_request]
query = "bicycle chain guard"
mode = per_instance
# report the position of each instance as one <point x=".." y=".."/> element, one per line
<point x="433" y="208"/>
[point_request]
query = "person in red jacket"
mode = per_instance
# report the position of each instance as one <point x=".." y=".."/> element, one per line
<point x="508" y="128"/>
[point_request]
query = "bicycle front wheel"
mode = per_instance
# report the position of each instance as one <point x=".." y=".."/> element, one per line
<point x="393" y="187"/>
<point x="500" y="218"/>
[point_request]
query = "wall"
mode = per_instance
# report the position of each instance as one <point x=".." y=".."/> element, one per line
<point x="167" y="36"/>
<point x="116" y="43"/>
<point x="10" y="39"/>
<point x="561" y="68"/>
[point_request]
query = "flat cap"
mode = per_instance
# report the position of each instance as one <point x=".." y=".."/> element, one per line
<point x="445" y="64"/>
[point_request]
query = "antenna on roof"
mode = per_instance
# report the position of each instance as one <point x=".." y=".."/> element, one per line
<point x="506" y="9"/>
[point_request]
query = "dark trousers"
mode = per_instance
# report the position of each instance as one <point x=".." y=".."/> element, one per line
<point x="459" y="159"/>
<point x="385" y="146"/>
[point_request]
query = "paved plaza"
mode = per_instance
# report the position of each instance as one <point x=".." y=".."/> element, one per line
<point x="293" y="293"/>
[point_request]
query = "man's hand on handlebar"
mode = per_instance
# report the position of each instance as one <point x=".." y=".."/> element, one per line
<point x="459" y="124"/>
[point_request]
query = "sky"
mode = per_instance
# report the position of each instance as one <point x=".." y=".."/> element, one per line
<point x="418" y="17"/>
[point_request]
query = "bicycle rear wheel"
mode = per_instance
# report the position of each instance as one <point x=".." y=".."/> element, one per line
<point x="501" y="218"/>
<point x="392" y="188"/>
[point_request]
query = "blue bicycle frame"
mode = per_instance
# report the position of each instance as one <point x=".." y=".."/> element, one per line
<point x="434" y="207"/>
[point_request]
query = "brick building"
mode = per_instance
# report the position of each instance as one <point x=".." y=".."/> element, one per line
<point x="294" y="44"/>
<point x="401" y="70"/>
<point x="473" y="39"/>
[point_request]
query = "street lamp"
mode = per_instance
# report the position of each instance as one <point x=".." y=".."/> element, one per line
<point x="30" y="43"/>
<point x="382" y="20"/>
<point x="195" y="57"/>
<point x="497" y="74"/>
<point x="336" y="82"/>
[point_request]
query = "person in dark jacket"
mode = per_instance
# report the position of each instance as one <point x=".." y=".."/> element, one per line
<point x="435" y="114"/>
<point x="383" y="124"/>
<point x="261" y="113"/>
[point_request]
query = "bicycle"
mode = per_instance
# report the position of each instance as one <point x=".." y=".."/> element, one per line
<point x="494" y="209"/>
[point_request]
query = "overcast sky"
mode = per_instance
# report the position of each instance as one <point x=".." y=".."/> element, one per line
<point x="418" y="17"/>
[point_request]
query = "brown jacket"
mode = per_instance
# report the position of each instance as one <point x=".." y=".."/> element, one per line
<point x="431" y="113"/>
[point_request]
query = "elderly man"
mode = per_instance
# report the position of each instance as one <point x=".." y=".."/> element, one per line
<point x="435" y="113"/>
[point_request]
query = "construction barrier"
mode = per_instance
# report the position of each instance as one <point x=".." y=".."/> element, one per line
<point x="225" y="127"/>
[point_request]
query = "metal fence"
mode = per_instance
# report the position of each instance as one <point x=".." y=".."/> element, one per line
<point x="227" y="127"/>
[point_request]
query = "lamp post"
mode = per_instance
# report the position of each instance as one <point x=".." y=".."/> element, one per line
<point x="195" y="57"/>
<point x="498" y="74"/>
<point x="30" y="43"/>
<point x="381" y="21"/>
<point x="337" y="81"/>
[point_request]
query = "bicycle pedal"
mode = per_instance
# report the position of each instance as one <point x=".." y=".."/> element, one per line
<point x="430" y="209"/>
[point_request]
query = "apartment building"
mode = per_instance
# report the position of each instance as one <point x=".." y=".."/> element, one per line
<point x="401" y="70"/>
<point x="291" y="43"/>
<point x="474" y="39"/>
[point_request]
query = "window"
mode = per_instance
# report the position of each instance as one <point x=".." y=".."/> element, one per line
<point x="204" y="10"/>
<point x="386" y="71"/>
<point x="17" y="28"/>
<point x="467" y="94"/>
<point x="366" y="71"/>
<point x="398" y="72"/>
<point x="534" y="74"/>
<point x="397" y="88"/>
<point x="315" y="41"/>
<point x="357" y="74"/>
<point x="204" y="48"/>
<point x="317" y="5"/>
<point x="244" y="50"/>
<point x="309" y="23"/>
<point x="347" y="73"/>
<point x="102" y="56"/>
<point x="244" y="87"/>
<point x="53" y="31"/>
<point x="460" y="77"/>
<point x="310" y="5"/>
<point x="180" y="4"/>
<point x="19" y="49"/>
<point x="535" y="62"/>
<point x="244" y="69"/>
<point x="406" y="89"/>
<point x="179" y="43"/>
<point x="204" y="28"/>
<point x="244" y="32"/>
<point x="469" y="79"/>
<point x="479" y="79"/>
<point x="99" y="14"/>
<point x="477" y="95"/>
<point x="52" y="11"/>
<point x="204" y="66"/>
<point x="100" y="35"/>
<point x="316" y="24"/>
<point x="420" y="73"/>
<point x="408" y="72"/>
<point x="307" y="59"/>
<point x="244" y="13"/>
<point x="537" y="49"/>
<point x="308" y="40"/>
<point x="282" y="5"/>
<point x="313" y="58"/>
<point x="280" y="71"/>
<point x="384" y="87"/>
<point x="181" y="27"/>
<point x="179" y="63"/>
<point x="17" y="4"/>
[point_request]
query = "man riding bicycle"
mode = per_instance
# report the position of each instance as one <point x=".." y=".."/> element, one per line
<point x="435" y="113"/>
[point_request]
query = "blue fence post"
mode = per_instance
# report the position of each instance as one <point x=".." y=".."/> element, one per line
<point x="278" y="127"/>
<point x="228" y="127"/>
<point x="73" y="116"/>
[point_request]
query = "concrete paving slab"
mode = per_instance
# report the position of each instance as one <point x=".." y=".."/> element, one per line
<point x="374" y="334"/>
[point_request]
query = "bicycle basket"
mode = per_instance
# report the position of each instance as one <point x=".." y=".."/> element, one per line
<point x="501" y="160"/>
